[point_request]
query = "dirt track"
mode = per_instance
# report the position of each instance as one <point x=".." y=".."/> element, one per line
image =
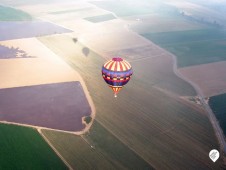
<point x="213" y="120"/>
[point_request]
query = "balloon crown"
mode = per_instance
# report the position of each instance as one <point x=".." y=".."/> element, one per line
<point x="117" y="59"/>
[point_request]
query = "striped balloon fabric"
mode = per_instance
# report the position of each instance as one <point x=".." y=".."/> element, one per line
<point x="116" y="73"/>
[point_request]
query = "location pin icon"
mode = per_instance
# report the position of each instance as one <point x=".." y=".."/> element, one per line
<point x="214" y="155"/>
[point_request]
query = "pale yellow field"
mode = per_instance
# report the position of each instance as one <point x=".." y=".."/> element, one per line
<point x="211" y="78"/>
<point x="44" y="68"/>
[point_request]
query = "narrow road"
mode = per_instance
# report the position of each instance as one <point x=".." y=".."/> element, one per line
<point x="212" y="118"/>
<point x="54" y="149"/>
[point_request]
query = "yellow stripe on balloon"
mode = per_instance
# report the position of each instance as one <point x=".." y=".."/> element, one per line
<point x="109" y="64"/>
<point x="106" y="64"/>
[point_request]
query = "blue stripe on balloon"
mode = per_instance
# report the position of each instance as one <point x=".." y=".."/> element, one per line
<point x="121" y="74"/>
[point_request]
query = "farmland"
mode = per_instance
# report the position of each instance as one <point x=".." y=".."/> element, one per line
<point x="24" y="148"/>
<point x="192" y="47"/>
<point x="100" y="18"/>
<point x="154" y="23"/>
<point x="208" y="12"/>
<point x="98" y="149"/>
<point x="57" y="106"/>
<point x="12" y="14"/>
<point x="150" y="125"/>
<point x="35" y="66"/>
<point x="163" y="125"/>
<point x="123" y="8"/>
<point x="159" y="71"/>
<point x="70" y="11"/>
<point x="217" y="104"/>
<point x="27" y="29"/>
<point x="209" y="77"/>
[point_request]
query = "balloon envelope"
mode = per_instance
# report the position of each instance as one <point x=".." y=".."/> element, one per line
<point x="117" y="73"/>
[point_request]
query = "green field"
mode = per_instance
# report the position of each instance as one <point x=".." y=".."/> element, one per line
<point x="193" y="47"/>
<point x="160" y="128"/>
<point x="148" y="74"/>
<point x="107" y="152"/>
<point x="100" y="18"/>
<point x="11" y="14"/>
<point x="24" y="148"/>
<point x="218" y="105"/>
<point x="154" y="23"/>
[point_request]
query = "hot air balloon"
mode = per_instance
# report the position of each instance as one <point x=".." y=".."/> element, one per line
<point x="116" y="73"/>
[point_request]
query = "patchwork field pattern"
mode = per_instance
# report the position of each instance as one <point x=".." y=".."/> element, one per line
<point x="149" y="125"/>
<point x="155" y="67"/>
<point x="98" y="149"/>
<point x="193" y="47"/>
<point x="147" y="120"/>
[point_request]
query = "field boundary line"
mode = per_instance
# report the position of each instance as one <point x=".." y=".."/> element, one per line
<point x="54" y="149"/>
<point x="126" y="145"/>
<point x="218" y="131"/>
<point x="42" y="135"/>
<point x="215" y="125"/>
<point x="84" y="88"/>
<point x="46" y="128"/>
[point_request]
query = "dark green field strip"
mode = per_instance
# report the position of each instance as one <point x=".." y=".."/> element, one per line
<point x="100" y="18"/>
<point x="100" y="137"/>
<point x="193" y="47"/>
<point x="24" y="148"/>
<point x="147" y="120"/>
<point x="180" y="37"/>
<point x="218" y="105"/>
<point x="11" y="14"/>
<point x="98" y="149"/>
<point x="196" y="53"/>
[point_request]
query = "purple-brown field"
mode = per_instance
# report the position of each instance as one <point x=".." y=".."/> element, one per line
<point x="27" y="29"/>
<point x="58" y="106"/>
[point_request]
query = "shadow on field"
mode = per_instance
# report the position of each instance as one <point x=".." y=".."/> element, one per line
<point x="85" y="51"/>
<point x="75" y="40"/>
<point x="11" y="53"/>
